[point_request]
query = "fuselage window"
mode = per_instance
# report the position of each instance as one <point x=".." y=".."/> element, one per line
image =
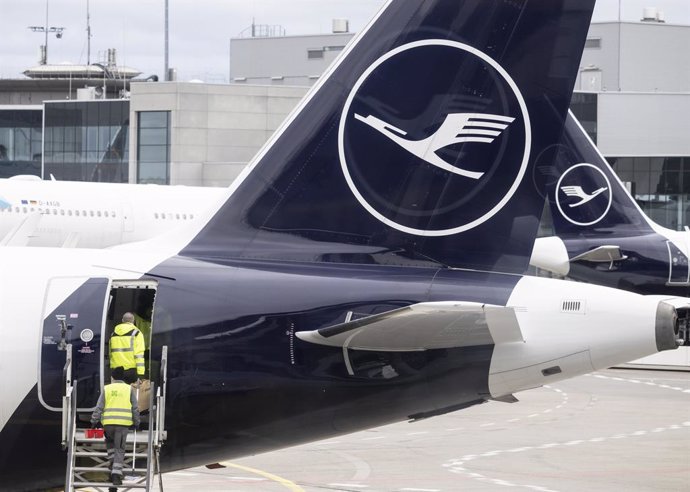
<point x="105" y="214"/>
<point x="112" y="214"/>
<point x="155" y="215"/>
<point x="98" y="213"/>
<point x="184" y="216"/>
<point x="91" y="213"/>
<point x="76" y="212"/>
<point x="69" y="212"/>
<point x="24" y="209"/>
<point x="83" y="212"/>
<point x="55" y="211"/>
<point x="16" y="209"/>
<point x="177" y="216"/>
<point x="62" y="212"/>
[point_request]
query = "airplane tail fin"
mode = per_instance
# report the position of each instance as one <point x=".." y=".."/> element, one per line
<point x="418" y="145"/>
<point x="585" y="194"/>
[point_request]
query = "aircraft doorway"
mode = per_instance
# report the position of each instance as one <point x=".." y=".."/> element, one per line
<point x="85" y="321"/>
<point x="137" y="298"/>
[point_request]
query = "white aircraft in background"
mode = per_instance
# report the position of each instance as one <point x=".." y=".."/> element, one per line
<point x="34" y="212"/>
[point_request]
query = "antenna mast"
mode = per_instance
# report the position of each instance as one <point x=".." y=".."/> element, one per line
<point x="88" y="35"/>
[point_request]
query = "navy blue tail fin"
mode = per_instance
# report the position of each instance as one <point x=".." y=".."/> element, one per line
<point x="585" y="195"/>
<point x="418" y="145"/>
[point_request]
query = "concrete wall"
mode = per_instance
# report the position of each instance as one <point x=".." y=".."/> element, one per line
<point x="283" y="60"/>
<point x="216" y="129"/>
<point x="653" y="56"/>
<point x="643" y="124"/>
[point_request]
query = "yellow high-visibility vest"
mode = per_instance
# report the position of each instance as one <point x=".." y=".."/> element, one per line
<point x="118" y="405"/>
<point x="127" y="348"/>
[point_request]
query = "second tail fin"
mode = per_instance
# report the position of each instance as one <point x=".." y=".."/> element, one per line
<point x="586" y="195"/>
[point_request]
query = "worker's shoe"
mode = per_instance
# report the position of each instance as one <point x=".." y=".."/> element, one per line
<point x="116" y="479"/>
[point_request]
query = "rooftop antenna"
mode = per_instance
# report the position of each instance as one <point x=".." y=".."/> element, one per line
<point x="88" y="35"/>
<point x="46" y="30"/>
<point x="166" y="75"/>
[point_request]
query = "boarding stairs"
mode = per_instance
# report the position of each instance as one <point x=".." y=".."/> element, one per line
<point x="87" y="460"/>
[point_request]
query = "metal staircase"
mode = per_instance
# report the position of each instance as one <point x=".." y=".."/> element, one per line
<point x="87" y="461"/>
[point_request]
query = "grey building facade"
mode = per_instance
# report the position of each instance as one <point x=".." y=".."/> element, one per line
<point x="632" y="96"/>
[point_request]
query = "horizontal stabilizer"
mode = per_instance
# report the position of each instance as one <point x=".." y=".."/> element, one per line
<point x="423" y="326"/>
<point x="602" y="254"/>
<point x="22" y="232"/>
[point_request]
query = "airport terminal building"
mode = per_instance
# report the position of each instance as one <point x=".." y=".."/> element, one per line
<point x="632" y="96"/>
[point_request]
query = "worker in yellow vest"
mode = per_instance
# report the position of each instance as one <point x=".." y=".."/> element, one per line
<point x="117" y="411"/>
<point x="127" y="348"/>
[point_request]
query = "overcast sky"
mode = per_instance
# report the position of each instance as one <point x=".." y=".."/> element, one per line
<point x="200" y="30"/>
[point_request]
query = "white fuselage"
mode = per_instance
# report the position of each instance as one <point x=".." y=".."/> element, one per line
<point x="95" y="215"/>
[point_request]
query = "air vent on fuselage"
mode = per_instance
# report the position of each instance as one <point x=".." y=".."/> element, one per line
<point x="573" y="306"/>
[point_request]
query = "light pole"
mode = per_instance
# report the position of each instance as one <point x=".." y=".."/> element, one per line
<point x="45" y="29"/>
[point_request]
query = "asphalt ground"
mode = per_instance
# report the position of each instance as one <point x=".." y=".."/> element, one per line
<point x="615" y="430"/>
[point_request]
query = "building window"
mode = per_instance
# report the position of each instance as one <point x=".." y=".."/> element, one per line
<point x="87" y="140"/>
<point x="584" y="107"/>
<point x="660" y="186"/>
<point x="153" y="147"/>
<point x="315" y="54"/>
<point x="593" y="43"/>
<point x="21" y="134"/>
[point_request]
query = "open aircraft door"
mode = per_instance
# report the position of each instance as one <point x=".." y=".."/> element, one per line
<point x="78" y="320"/>
<point x="85" y="320"/>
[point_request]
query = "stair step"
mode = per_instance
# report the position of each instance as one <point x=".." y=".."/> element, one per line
<point x="104" y="468"/>
<point x="103" y="454"/>
<point x="125" y="485"/>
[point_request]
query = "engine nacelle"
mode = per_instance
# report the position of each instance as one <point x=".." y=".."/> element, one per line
<point x="572" y="328"/>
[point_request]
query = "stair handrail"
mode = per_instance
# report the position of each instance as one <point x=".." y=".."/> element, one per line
<point x="160" y="399"/>
<point x="71" y="432"/>
<point x="152" y="430"/>
<point x="67" y="395"/>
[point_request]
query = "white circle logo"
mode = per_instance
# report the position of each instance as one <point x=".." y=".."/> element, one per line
<point x="434" y="138"/>
<point x="86" y="335"/>
<point x="583" y="197"/>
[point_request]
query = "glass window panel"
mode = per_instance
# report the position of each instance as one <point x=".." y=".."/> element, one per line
<point x="642" y="165"/>
<point x="685" y="183"/>
<point x="153" y="119"/>
<point x="153" y="172"/>
<point x="642" y="187"/>
<point x="80" y="140"/>
<point x="153" y="136"/>
<point x="668" y="176"/>
<point x="623" y="167"/>
<point x="153" y="153"/>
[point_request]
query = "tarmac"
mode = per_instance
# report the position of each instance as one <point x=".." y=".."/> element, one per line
<point x="613" y="430"/>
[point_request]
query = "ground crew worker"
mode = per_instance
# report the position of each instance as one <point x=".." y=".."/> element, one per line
<point x="127" y="348"/>
<point x="117" y="411"/>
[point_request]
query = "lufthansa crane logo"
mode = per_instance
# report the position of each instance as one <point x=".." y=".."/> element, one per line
<point x="456" y="128"/>
<point x="583" y="197"/>
<point x="434" y="138"/>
